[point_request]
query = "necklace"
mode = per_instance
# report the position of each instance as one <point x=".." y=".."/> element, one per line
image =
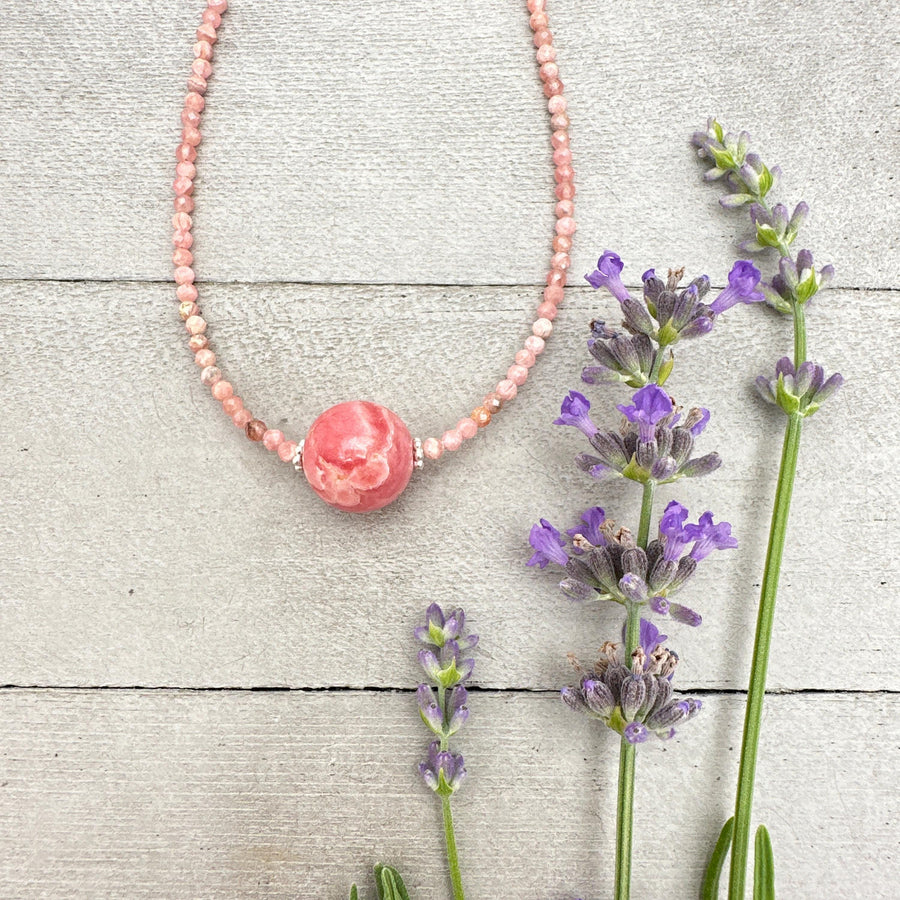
<point x="357" y="455"/>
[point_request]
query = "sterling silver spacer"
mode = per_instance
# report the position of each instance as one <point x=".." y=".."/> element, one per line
<point x="297" y="458"/>
<point x="418" y="455"/>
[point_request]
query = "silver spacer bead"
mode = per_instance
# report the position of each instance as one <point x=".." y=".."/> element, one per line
<point x="418" y="455"/>
<point x="297" y="458"/>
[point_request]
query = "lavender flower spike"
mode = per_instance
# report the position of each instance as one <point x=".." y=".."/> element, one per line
<point x="742" y="283"/>
<point x="608" y="275"/>
<point x="442" y="771"/>
<point x="709" y="537"/>
<point x="574" y="411"/>
<point x="548" y="545"/>
<point x="648" y="406"/>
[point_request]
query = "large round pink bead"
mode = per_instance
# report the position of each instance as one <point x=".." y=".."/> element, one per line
<point x="358" y="456"/>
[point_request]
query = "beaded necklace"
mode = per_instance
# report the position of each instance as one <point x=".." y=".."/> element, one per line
<point x="357" y="455"/>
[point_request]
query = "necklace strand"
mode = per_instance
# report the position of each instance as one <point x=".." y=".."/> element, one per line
<point x="188" y="296"/>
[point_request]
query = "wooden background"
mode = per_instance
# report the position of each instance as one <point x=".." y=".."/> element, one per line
<point x="207" y="674"/>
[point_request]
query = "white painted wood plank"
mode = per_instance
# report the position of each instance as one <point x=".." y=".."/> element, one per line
<point x="211" y="794"/>
<point x="143" y="541"/>
<point x="412" y="145"/>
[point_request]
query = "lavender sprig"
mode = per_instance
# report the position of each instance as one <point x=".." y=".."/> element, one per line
<point x="799" y="388"/>
<point x="444" y="710"/>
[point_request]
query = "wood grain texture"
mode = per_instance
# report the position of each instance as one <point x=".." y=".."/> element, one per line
<point x="146" y="542"/>
<point x="411" y="145"/>
<point x="284" y="795"/>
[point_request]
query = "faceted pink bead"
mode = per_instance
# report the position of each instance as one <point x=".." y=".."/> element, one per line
<point x="184" y="202"/>
<point x="222" y="390"/>
<point x="190" y="118"/>
<point x="538" y="20"/>
<point x="186" y="170"/>
<point x="185" y="153"/>
<point x="218" y="6"/>
<point x="563" y="173"/>
<point x="191" y="136"/>
<point x="556" y="277"/>
<point x="557" y="104"/>
<point x="211" y="375"/>
<point x="544" y="36"/>
<point x="564" y="208"/>
<point x="198" y="84"/>
<point x="182" y="257"/>
<point x="562" y="243"/>
<point x="432" y="448"/>
<point x="207" y="33"/>
<point x="565" y="190"/>
<point x="546" y="53"/>
<point x="272" y="439"/>
<point x="553" y="88"/>
<point x="183" y="186"/>
<point x="203" y="50"/>
<point x="195" y="325"/>
<point x="198" y="342"/>
<point x="186" y="310"/>
<point x="451" y="440"/>
<point x="201" y="67"/>
<point x="525" y="358"/>
<point x="242" y="417"/>
<point x="195" y="102"/>
<point x="563" y="156"/>
<point x="358" y="456"/>
<point x="507" y="390"/>
<point x="517" y="374"/>
<point x="534" y="344"/>
<point x="559" y="121"/>
<point x="549" y="71"/>
<point x="182" y="222"/>
<point x="287" y="450"/>
<point x="553" y="294"/>
<point x="184" y="275"/>
<point x="467" y="428"/>
<point x="183" y="239"/>
<point x="559" y="139"/>
<point x="186" y="293"/>
<point x="204" y="358"/>
<point x="547" y="311"/>
<point x="232" y="404"/>
<point x="542" y="328"/>
<point x="211" y="17"/>
<point x="560" y="261"/>
<point x="565" y="225"/>
<point x="537" y="5"/>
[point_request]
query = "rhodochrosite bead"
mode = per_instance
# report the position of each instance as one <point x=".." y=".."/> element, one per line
<point x="358" y="456"/>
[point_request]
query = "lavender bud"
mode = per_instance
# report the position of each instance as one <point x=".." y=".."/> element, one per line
<point x="633" y="587"/>
<point x="573" y="699"/>
<point x="646" y="453"/>
<point x="636" y="317"/>
<point x="686" y="569"/>
<point x="601" y="563"/>
<point x="685" y="615"/>
<point x="632" y="696"/>
<point x="663" y="469"/>
<point x="703" y="465"/>
<point x="634" y="561"/>
<point x="610" y="449"/>
<point x="598" y="697"/>
<point x="661" y="574"/>
<point x="576" y="590"/>
<point x="665" y="718"/>
<point x="429" y="710"/>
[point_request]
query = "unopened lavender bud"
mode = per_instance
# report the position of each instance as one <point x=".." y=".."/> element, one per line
<point x="430" y="664"/>
<point x="651" y="683"/>
<point x="764" y="387"/>
<point x="669" y="715"/>
<point x="598" y="697"/>
<point x="685" y="615"/>
<point x="703" y="465"/>
<point x="691" y="707"/>
<point x="636" y="317"/>
<point x="457" y="719"/>
<point x="646" y="453"/>
<point x="663" y="469"/>
<point x="429" y="710"/>
<point x="686" y="569"/>
<point x="633" y="587"/>
<point x="573" y="699"/>
<point x="632" y="695"/>
<point x="610" y="449"/>
<point x="577" y="590"/>
<point x="831" y="386"/>
<point x="634" y="562"/>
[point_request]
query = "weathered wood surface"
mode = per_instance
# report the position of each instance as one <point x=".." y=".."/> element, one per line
<point x="144" y="543"/>
<point x="110" y="794"/>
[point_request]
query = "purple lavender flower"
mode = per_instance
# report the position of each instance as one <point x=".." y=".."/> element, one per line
<point x="648" y="406"/>
<point x="709" y="537"/>
<point x="429" y="710"/>
<point x="440" y="628"/>
<point x="650" y="637"/>
<point x="636" y="733"/>
<point x="802" y="390"/>
<point x="442" y="771"/>
<point x="574" y="411"/>
<point x="589" y="528"/>
<point x="697" y="420"/>
<point x="548" y="545"/>
<point x="742" y="282"/>
<point x="608" y="275"/>
<point x="672" y="532"/>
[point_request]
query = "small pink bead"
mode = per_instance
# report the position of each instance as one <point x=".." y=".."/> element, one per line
<point x="451" y="440"/>
<point x="565" y="225"/>
<point x="195" y="102"/>
<point x="507" y="390"/>
<point x="559" y="139"/>
<point x="549" y="71"/>
<point x="186" y="293"/>
<point x="559" y="121"/>
<point x="562" y="243"/>
<point x="517" y="374"/>
<point x="534" y="344"/>
<point x="272" y="439"/>
<point x="185" y="153"/>
<point x="537" y="5"/>
<point x="190" y="118"/>
<point x="232" y="404"/>
<point x="191" y="135"/>
<point x="222" y="390"/>
<point x="545" y="53"/>
<point x="183" y="239"/>
<point x="553" y="293"/>
<point x="211" y="17"/>
<point x="203" y="50"/>
<point x="562" y="157"/>
<point x="201" y="67"/>
<point x="563" y="173"/>
<point x="525" y="358"/>
<point x="184" y="203"/>
<point x="183" y="186"/>
<point x="186" y="170"/>
<point x="538" y="20"/>
<point x="182" y="257"/>
<point x="218" y="6"/>
<point x="196" y="83"/>
<point x="242" y="417"/>
<point x="186" y="310"/>
<point x="553" y="88"/>
<point x="547" y="311"/>
<point x="184" y="275"/>
<point x="198" y="342"/>
<point x="560" y="261"/>
<point x="467" y="428"/>
<point x="542" y="328"/>
<point x="565" y="191"/>
<point x="287" y="450"/>
<point x="205" y="358"/>
<point x="565" y="208"/>
<point x="182" y="222"/>
<point x="207" y="33"/>
<point x="556" y="277"/>
<point x="557" y="104"/>
<point x="432" y="448"/>
<point x="195" y="325"/>
<point x="544" y="36"/>
<point x="211" y="375"/>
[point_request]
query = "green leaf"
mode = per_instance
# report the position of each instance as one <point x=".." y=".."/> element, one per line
<point x="763" y="866"/>
<point x="788" y="402"/>
<point x="665" y="370"/>
<point x="354" y="893"/>
<point x="666" y="335"/>
<point x="807" y="287"/>
<point x="719" y="130"/>
<point x="767" y="235"/>
<point x="710" y="888"/>
<point x="723" y="158"/>
<point x="379" y="887"/>
<point x="766" y="180"/>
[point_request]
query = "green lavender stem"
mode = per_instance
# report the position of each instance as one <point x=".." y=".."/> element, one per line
<point x="452" y="857"/>
<point x="756" y="694"/>
<point x="625" y="802"/>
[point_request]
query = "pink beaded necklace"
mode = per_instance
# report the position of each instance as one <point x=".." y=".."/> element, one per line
<point x="359" y="456"/>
